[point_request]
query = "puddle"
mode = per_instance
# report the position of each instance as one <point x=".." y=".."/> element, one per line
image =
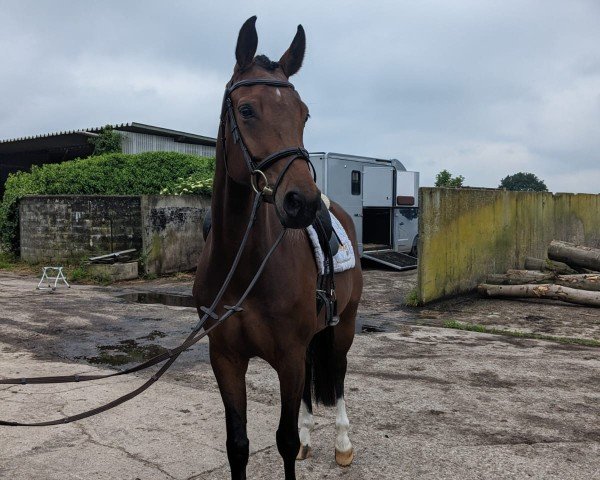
<point x="372" y="329"/>
<point x="127" y="351"/>
<point x="169" y="299"/>
<point x="363" y="327"/>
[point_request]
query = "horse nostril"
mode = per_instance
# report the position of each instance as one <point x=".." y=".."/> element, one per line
<point x="294" y="204"/>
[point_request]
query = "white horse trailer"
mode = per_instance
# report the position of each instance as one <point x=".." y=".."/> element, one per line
<point x="381" y="196"/>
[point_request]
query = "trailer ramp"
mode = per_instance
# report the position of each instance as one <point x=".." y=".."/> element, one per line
<point x="399" y="261"/>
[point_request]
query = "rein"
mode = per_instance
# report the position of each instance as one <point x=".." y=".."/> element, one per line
<point x="267" y="193"/>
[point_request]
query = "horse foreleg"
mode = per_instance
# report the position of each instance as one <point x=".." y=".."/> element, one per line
<point x="291" y="381"/>
<point x="306" y="421"/>
<point x="231" y="377"/>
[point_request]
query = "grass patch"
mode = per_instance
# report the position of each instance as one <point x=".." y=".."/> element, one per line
<point x="412" y="299"/>
<point x="80" y="273"/>
<point x="515" y="333"/>
<point x="74" y="271"/>
<point x="11" y="263"/>
<point x="7" y="261"/>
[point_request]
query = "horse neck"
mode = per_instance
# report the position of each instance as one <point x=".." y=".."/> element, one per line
<point x="231" y="208"/>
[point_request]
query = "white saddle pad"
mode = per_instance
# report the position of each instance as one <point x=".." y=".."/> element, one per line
<point x="344" y="259"/>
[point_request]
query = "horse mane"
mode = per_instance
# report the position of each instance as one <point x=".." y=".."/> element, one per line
<point x="266" y="63"/>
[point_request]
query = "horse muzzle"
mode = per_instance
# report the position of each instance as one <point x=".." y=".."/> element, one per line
<point x="299" y="211"/>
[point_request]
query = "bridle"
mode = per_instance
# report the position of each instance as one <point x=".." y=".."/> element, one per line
<point x="268" y="192"/>
<point x="256" y="169"/>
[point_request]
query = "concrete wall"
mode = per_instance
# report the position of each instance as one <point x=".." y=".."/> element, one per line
<point x="57" y="227"/>
<point x="466" y="234"/>
<point x="165" y="230"/>
<point x="172" y="231"/>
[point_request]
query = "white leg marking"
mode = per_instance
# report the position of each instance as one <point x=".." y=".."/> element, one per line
<point x="306" y="424"/>
<point x="342" y="426"/>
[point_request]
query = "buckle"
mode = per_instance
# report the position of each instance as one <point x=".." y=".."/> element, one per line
<point x="233" y="308"/>
<point x="267" y="189"/>
<point x="209" y="312"/>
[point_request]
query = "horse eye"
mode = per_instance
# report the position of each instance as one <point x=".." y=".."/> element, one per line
<point x="307" y="117"/>
<point x="246" y="111"/>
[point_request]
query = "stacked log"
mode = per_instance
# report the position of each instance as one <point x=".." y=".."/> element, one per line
<point x="547" y="265"/>
<point x="584" y="281"/>
<point x="570" y="274"/>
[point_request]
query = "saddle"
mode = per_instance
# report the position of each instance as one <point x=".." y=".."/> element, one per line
<point x="330" y="244"/>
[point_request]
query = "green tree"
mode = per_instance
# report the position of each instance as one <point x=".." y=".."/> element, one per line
<point x="523" y="182"/>
<point x="445" y="179"/>
<point x="107" y="141"/>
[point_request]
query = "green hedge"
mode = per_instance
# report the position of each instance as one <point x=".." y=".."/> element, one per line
<point x="110" y="174"/>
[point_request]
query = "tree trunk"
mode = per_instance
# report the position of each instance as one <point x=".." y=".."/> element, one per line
<point x="586" y="281"/>
<point x="555" y="292"/>
<point x="520" y="277"/>
<point x="575" y="255"/>
<point x="547" y="266"/>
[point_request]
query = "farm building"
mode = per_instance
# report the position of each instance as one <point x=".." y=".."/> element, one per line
<point x="21" y="153"/>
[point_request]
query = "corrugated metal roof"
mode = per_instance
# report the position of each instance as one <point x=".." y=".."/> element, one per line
<point x="129" y="127"/>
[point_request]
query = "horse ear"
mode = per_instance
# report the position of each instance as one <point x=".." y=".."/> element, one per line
<point x="247" y="43"/>
<point x="291" y="60"/>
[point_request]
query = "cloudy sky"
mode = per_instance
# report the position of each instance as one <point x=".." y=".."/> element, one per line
<point x="481" y="88"/>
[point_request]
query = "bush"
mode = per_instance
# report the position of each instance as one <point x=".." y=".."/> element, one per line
<point x="195" y="184"/>
<point x="110" y="174"/>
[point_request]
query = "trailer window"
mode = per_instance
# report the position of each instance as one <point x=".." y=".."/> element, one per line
<point x="355" y="188"/>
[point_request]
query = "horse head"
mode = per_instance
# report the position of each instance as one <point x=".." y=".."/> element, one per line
<point x="262" y="129"/>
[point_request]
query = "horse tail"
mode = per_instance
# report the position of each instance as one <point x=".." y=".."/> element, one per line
<point x="321" y="367"/>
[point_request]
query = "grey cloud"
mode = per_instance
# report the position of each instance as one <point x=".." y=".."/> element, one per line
<point x="488" y="88"/>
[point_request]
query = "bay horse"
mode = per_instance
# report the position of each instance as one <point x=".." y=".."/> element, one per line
<point x="262" y="125"/>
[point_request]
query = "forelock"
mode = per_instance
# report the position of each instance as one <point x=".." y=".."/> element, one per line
<point x="265" y="62"/>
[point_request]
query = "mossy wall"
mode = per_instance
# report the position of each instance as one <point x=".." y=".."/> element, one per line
<point x="466" y="234"/>
<point x="166" y="230"/>
<point x="172" y="232"/>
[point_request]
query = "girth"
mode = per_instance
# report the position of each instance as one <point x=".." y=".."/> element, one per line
<point x="325" y="290"/>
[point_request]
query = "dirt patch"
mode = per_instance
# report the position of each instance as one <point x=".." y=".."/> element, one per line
<point x="489" y="379"/>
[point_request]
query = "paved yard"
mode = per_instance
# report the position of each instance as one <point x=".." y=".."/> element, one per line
<point x="423" y="401"/>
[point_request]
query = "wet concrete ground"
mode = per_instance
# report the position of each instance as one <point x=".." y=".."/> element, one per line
<point x="423" y="401"/>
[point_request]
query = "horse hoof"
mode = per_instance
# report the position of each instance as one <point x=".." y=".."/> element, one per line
<point x="344" y="459"/>
<point x="304" y="452"/>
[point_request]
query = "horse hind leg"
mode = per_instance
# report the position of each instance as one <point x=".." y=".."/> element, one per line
<point x="325" y="372"/>
<point x="344" y="452"/>
<point x="343" y="337"/>
<point x="306" y="421"/>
